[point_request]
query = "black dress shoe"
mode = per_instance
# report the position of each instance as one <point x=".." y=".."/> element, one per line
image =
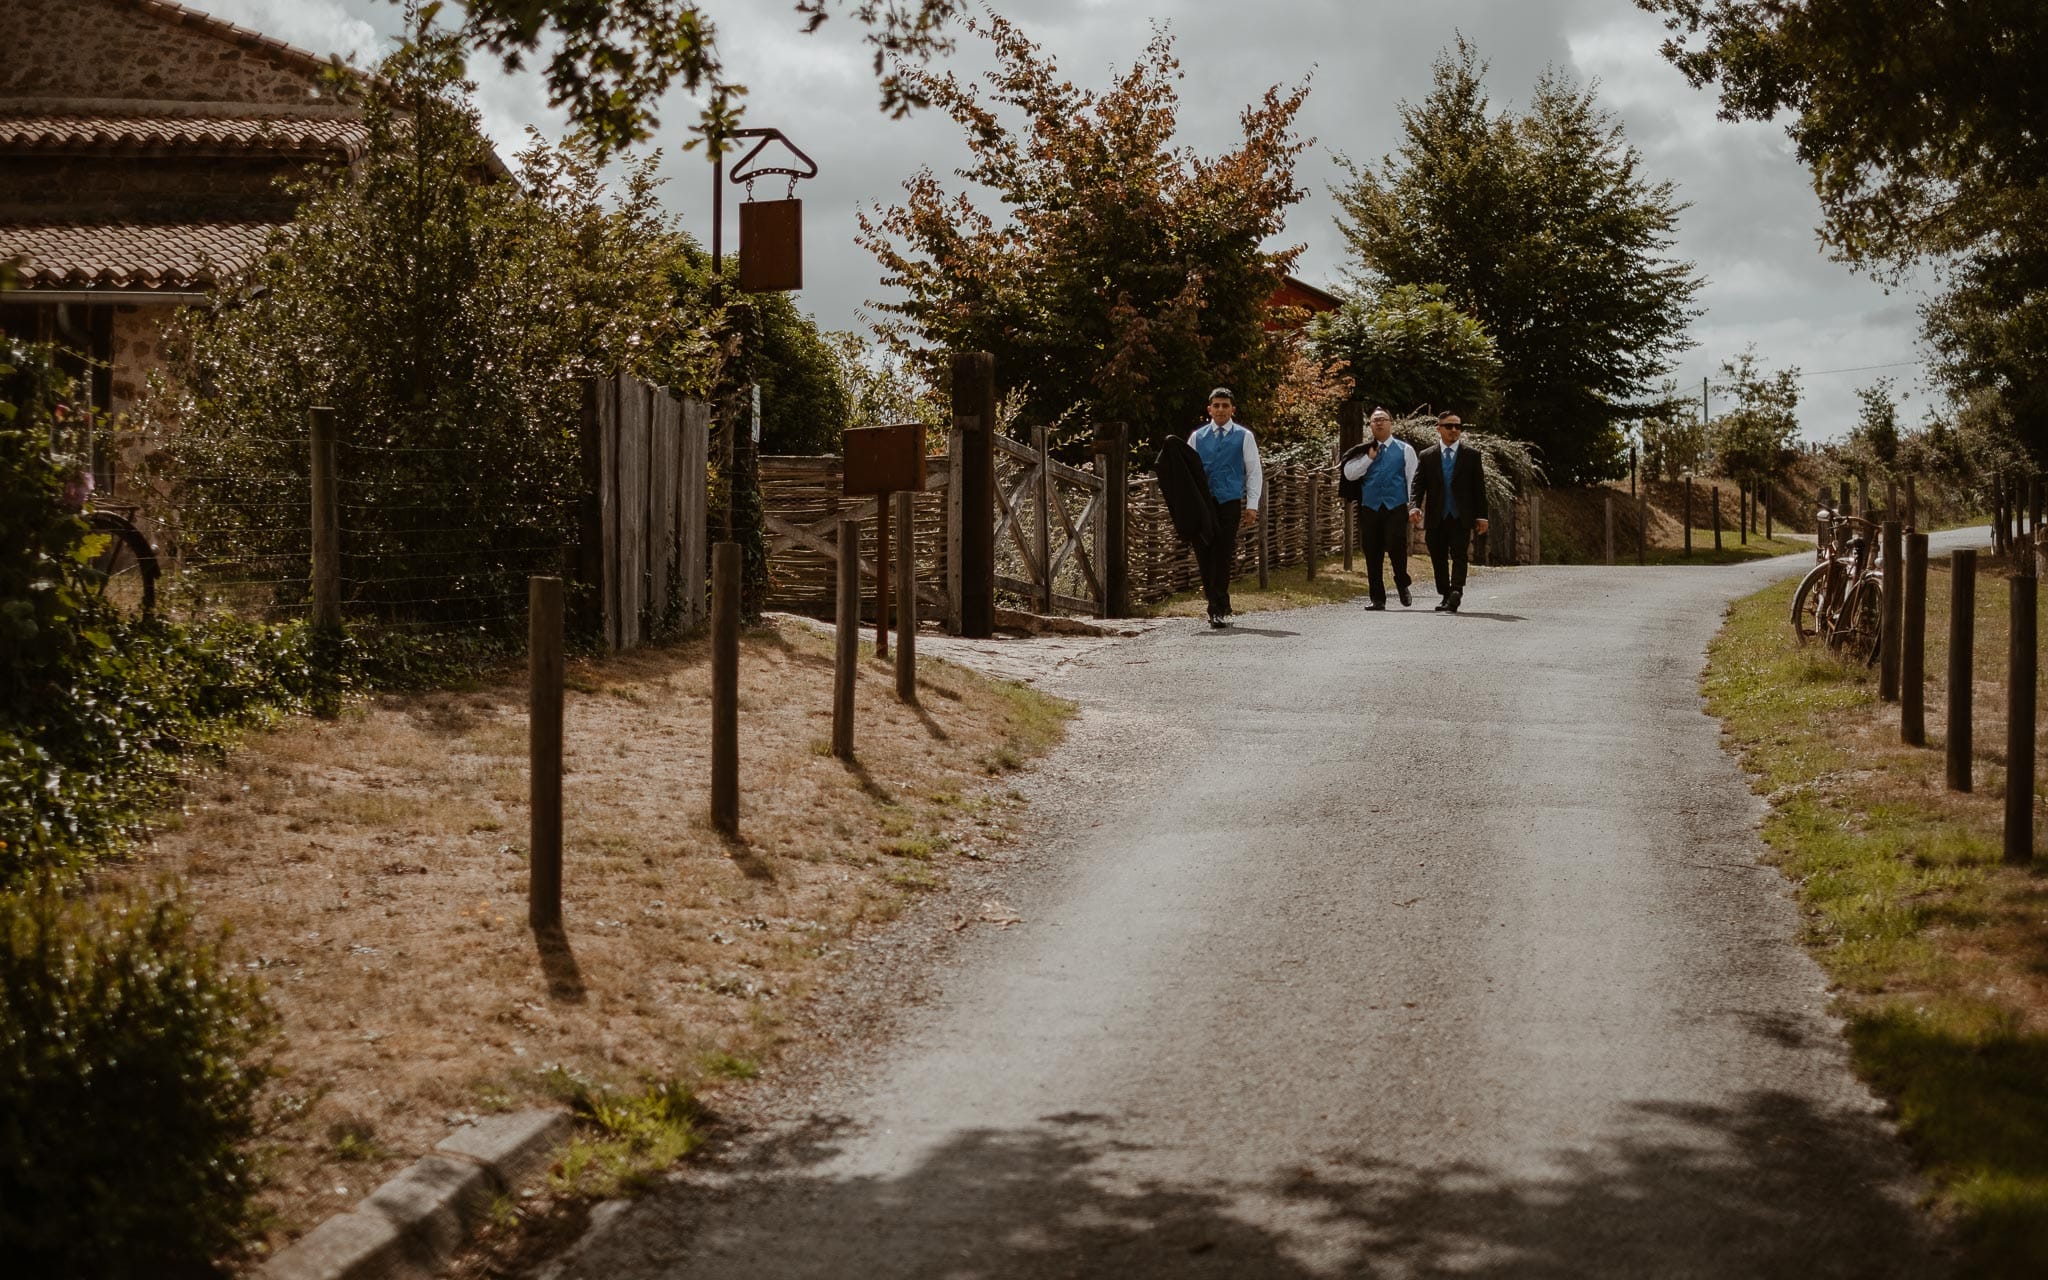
<point x="1406" y="599"/>
<point x="1376" y="605"/>
<point x="1443" y="605"/>
<point x="1217" y="622"/>
<point x="1457" y="598"/>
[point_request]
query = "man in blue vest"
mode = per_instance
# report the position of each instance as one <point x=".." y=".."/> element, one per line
<point x="1230" y="458"/>
<point x="1382" y="473"/>
<point x="1450" y="494"/>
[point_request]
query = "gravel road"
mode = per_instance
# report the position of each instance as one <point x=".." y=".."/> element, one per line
<point x="1354" y="944"/>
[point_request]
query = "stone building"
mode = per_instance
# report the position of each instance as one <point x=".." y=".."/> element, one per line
<point x="141" y="147"/>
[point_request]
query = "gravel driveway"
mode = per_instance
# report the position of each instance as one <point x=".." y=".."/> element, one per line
<point x="1354" y="944"/>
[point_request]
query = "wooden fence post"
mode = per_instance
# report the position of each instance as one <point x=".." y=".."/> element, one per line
<point x="882" y="567"/>
<point x="1609" y="543"/>
<point x="1962" y="639"/>
<point x="1717" y="517"/>
<point x="1113" y="548"/>
<point x="1042" y="497"/>
<point x="1643" y="526"/>
<point x="1742" y="512"/>
<point x="544" y="752"/>
<point x="906" y="596"/>
<point x="725" y="687"/>
<point x="1767" y="513"/>
<point x="1536" y="528"/>
<point x="326" y="518"/>
<point x="2022" y="667"/>
<point x="1913" y="646"/>
<point x="1893" y="602"/>
<point x="846" y="649"/>
<point x="974" y="417"/>
<point x="955" y="452"/>
<point x="1891" y="500"/>
<point x="1309" y="516"/>
<point x="1688" y="515"/>
<point x="1265" y="523"/>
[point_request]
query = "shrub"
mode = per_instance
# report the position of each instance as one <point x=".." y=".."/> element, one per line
<point x="130" y="1060"/>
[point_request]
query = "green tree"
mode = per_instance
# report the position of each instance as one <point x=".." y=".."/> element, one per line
<point x="1875" y="440"/>
<point x="609" y="61"/>
<point x="1674" y="439"/>
<point x="445" y="315"/>
<point x="1752" y="441"/>
<point x="1543" y="227"/>
<point x="1407" y="347"/>
<point x="1989" y="333"/>
<point x="1127" y="276"/>
<point x="1921" y="123"/>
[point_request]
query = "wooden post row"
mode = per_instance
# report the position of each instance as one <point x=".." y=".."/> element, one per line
<point x="1892" y="599"/>
<point x="2022" y="668"/>
<point x="1962" y="639"/>
<point x="906" y="596"/>
<point x="544" y="752"/>
<point x="725" y="687"/>
<point x="974" y="417"/>
<point x="1913" y="646"/>
<point x="846" y="647"/>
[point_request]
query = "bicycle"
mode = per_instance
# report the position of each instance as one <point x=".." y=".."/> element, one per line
<point x="123" y="570"/>
<point x="1841" y="599"/>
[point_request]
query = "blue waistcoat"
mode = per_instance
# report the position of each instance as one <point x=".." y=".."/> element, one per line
<point x="1450" y="500"/>
<point x="1385" y="483"/>
<point x="1223" y="458"/>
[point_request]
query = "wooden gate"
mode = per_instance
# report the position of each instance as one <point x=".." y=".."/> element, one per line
<point x="802" y="504"/>
<point x="643" y="541"/>
<point x="1053" y="516"/>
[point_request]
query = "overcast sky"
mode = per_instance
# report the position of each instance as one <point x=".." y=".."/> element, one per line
<point x="1749" y="230"/>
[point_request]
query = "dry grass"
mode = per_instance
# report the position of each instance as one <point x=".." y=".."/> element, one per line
<point x="1935" y="945"/>
<point x="373" y="870"/>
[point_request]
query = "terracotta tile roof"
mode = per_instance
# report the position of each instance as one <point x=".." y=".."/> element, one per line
<point x="205" y="135"/>
<point x="129" y="256"/>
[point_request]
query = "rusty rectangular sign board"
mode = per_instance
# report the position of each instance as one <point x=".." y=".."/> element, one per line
<point x="884" y="460"/>
<point x="771" y="246"/>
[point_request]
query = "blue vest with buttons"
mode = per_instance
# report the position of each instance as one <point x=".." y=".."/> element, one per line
<point x="1223" y="458"/>
<point x="1385" y="484"/>
<point x="1450" y="499"/>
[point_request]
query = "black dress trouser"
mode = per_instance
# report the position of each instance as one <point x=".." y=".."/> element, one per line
<point x="1448" y="544"/>
<point x="1383" y="531"/>
<point x="1220" y="557"/>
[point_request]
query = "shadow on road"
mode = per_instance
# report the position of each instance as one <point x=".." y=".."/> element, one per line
<point x="1761" y="1189"/>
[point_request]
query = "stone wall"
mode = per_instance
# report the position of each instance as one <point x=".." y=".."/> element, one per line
<point x="130" y="49"/>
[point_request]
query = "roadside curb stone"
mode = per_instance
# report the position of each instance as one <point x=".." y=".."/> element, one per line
<point x="414" y="1222"/>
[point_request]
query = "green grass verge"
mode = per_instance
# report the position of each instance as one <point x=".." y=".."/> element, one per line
<point x="1733" y="549"/>
<point x="1939" y="952"/>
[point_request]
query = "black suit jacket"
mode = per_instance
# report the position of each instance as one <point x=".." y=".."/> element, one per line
<point x="1185" y="485"/>
<point x="1468" y="485"/>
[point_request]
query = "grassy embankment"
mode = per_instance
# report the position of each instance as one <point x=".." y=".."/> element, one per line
<point x="1938" y="951"/>
<point x="372" y="870"/>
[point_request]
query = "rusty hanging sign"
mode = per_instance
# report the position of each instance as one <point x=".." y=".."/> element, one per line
<point x="771" y="231"/>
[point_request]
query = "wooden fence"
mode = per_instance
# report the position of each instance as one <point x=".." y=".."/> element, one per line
<point x="642" y="545"/>
<point x="1047" y="512"/>
<point x="802" y="507"/>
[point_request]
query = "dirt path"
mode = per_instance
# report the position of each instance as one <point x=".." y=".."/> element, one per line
<point x="1357" y="944"/>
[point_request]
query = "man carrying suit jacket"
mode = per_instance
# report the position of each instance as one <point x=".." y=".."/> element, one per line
<point x="1450" y="497"/>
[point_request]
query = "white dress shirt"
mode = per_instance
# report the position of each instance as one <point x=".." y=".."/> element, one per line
<point x="1356" y="468"/>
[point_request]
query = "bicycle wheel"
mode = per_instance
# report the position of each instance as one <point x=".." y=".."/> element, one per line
<point x="1809" y="603"/>
<point x="1861" y="632"/>
<point x="124" y="572"/>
